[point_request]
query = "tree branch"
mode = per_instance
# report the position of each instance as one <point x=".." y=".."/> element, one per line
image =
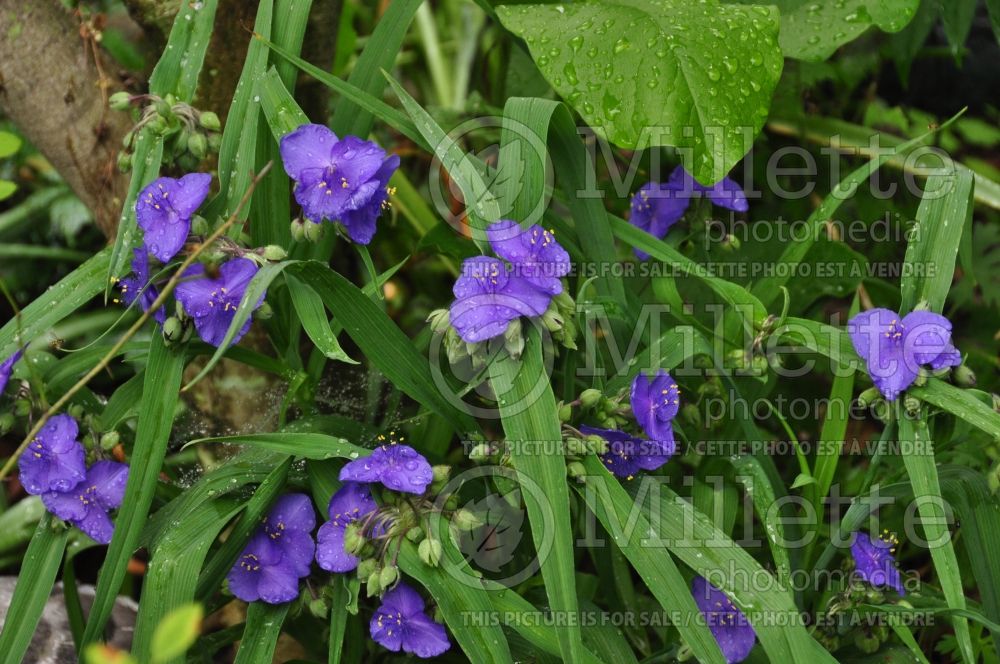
<point x="51" y="89"/>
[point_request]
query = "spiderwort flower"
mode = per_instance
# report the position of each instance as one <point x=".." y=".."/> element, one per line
<point x="875" y="561"/>
<point x="87" y="504"/>
<point x="338" y="179"/>
<point x="397" y="467"/>
<point x="351" y="502"/>
<point x="212" y="302"/>
<point x="7" y="366"/>
<point x="894" y="347"/>
<point x="533" y="251"/>
<point x="730" y="627"/>
<point x="488" y="298"/>
<point x="54" y="460"/>
<point x="164" y="210"/>
<point x="278" y="554"/>
<point x="655" y="401"/>
<point x="627" y="454"/>
<point x="401" y="624"/>
<point x="658" y="206"/>
<point x="137" y="287"/>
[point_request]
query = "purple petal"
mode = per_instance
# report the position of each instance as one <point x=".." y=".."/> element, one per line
<point x="299" y="549"/>
<point x="655" y="403"/>
<point x="875" y="562"/>
<point x="65" y="505"/>
<point x="651" y="454"/>
<point x="195" y="291"/>
<point x="617" y="459"/>
<point x="54" y="460"/>
<point x="7" y="366"/>
<point x="727" y="623"/>
<point x="424" y="638"/>
<point x="108" y="479"/>
<point x="351" y="502"/>
<point x="294" y="511"/>
<point x="867" y="329"/>
<point x="927" y="336"/>
<point x="330" y="553"/>
<point x="96" y="524"/>
<point x="405" y="599"/>
<point x="277" y="584"/>
<point x="386" y="629"/>
<point x="164" y="209"/>
<point x="190" y="193"/>
<point x="307" y="147"/>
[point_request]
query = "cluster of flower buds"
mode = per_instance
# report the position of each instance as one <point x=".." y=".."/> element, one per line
<point x="604" y="411"/>
<point x="188" y="134"/>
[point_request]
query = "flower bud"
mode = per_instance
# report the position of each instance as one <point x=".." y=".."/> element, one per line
<point x="912" y="405"/>
<point x="209" y="121"/>
<point x="597" y="444"/>
<point x="120" y="101"/>
<point x="158" y="125"/>
<point x="124" y="162"/>
<point x="110" y="440"/>
<point x="354" y="541"/>
<point x="313" y="232"/>
<point x="214" y="142"/>
<point x="439" y="321"/>
<point x="273" y="252"/>
<point x="6" y="423"/>
<point x="366" y="568"/>
<point x="128" y="140"/>
<point x="691" y="414"/>
<point x="759" y="365"/>
<point x="388" y="577"/>
<point x="552" y="320"/>
<point x="264" y="312"/>
<point x="731" y="243"/>
<point x="374" y="586"/>
<point x="319" y="608"/>
<point x="590" y="397"/>
<point x="197" y="145"/>
<point x="415" y="534"/>
<point x="430" y="551"/>
<point x="964" y="376"/>
<point x="577" y="471"/>
<point x="463" y="519"/>
<point x="441" y="473"/>
<point x="454" y="347"/>
<point x="480" y="453"/>
<point x="513" y="339"/>
<point x="565" y="412"/>
<point x="173" y="331"/>
<point x="866" y="643"/>
<point x="576" y="447"/>
<point x="298" y="230"/>
<point x="869" y="397"/>
<point x="22" y="407"/>
<point x="162" y="107"/>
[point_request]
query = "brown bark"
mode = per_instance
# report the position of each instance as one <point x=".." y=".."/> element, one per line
<point x="51" y="89"/>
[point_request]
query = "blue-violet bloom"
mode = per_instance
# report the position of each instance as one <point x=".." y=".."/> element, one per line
<point x="164" y="210"/>
<point x="136" y="286"/>
<point x="730" y="627"/>
<point x="397" y="467"/>
<point x="278" y="554"/>
<point x="875" y="562"/>
<point x="627" y="454"/>
<point x="87" y="504"/>
<point x="658" y="206"/>
<point x="212" y="303"/>
<point x="336" y="179"/>
<point x="54" y="460"/>
<point x="488" y="298"/>
<point x="533" y="252"/>
<point x="895" y="347"/>
<point x="401" y="624"/>
<point x="7" y="366"/>
<point x="352" y="502"/>
<point x="655" y="401"/>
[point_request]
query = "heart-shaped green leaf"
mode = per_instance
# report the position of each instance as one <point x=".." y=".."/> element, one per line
<point x="698" y="76"/>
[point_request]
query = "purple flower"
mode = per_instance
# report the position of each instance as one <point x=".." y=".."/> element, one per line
<point x="875" y="562"/>
<point x="533" y="251"/>
<point x="655" y="403"/>
<point x="351" y="502"/>
<point x="894" y="349"/>
<point x="213" y="302"/>
<point x="164" y="210"/>
<point x="137" y="286"/>
<point x="401" y="624"/>
<point x="338" y="179"/>
<point x="730" y="627"/>
<point x="278" y="554"/>
<point x="397" y="467"/>
<point x="627" y="455"/>
<point x="7" y="366"/>
<point x="658" y="206"/>
<point x="487" y="299"/>
<point x="87" y="504"/>
<point x="54" y="460"/>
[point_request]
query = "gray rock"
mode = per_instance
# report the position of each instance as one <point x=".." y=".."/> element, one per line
<point x="53" y="641"/>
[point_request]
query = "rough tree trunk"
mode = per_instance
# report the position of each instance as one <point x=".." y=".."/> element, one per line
<point x="51" y="89"/>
